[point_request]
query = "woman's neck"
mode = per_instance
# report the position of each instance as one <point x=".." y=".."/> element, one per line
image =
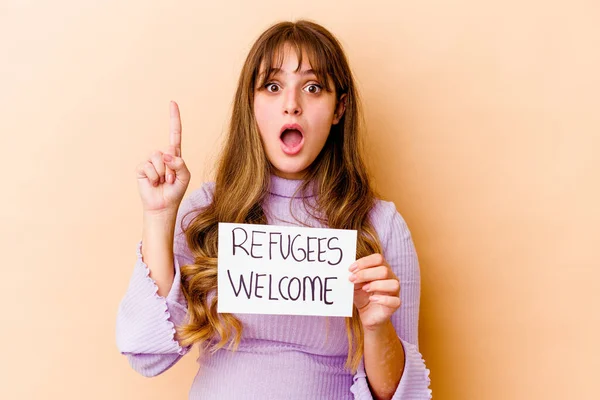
<point x="284" y="187"/>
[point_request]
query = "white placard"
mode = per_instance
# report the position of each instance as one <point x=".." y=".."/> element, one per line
<point x="270" y="269"/>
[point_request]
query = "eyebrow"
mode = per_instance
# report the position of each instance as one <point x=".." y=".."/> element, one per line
<point x="303" y="73"/>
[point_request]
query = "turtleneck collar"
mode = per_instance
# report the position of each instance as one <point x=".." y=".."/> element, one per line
<point x="287" y="187"/>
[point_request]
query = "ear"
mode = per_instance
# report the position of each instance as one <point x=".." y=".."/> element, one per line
<point x="339" y="109"/>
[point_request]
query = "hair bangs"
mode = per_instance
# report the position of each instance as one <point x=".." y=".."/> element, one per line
<point x="304" y="43"/>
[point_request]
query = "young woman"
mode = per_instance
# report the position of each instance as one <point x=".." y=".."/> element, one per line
<point x="292" y="156"/>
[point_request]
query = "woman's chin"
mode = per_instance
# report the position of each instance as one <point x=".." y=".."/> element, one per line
<point x="290" y="172"/>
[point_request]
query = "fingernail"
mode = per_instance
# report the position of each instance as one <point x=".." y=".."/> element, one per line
<point x="167" y="157"/>
<point x="366" y="287"/>
<point x="374" y="298"/>
<point x="352" y="277"/>
<point x="353" y="267"/>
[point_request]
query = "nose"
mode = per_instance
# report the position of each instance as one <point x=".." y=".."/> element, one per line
<point x="291" y="105"/>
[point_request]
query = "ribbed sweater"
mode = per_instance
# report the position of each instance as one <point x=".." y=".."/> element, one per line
<point x="280" y="356"/>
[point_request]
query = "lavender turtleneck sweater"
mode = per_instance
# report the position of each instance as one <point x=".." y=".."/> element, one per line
<point x="280" y="356"/>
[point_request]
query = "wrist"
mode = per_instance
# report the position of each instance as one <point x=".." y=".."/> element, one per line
<point x="159" y="226"/>
<point x="378" y="329"/>
<point x="163" y="216"/>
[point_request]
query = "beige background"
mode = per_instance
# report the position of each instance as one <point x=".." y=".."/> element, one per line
<point x="484" y="130"/>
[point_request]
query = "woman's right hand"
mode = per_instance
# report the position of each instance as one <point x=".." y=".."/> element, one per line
<point x="162" y="183"/>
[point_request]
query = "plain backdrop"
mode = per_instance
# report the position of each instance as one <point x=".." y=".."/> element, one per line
<point x="483" y="128"/>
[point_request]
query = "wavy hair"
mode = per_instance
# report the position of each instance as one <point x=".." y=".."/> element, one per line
<point x="344" y="195"/>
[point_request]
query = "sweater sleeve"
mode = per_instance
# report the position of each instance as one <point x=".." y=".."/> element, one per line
<point x="145" y="328"/>
<point x="399" y="251"/>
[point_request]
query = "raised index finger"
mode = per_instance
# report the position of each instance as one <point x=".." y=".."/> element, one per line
<point x="175" y="129"/>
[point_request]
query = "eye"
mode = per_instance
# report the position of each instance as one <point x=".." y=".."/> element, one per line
<point x="314" y="88"/>
<point x="272" y="87"/>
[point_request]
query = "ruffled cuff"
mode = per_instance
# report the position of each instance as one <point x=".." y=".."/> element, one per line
<point x="146" y="321"/>
<point x="414" y="384"/>
<point x="415" y="378"/>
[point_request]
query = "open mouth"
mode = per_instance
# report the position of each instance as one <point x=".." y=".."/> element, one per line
<point x="292" y="139"/>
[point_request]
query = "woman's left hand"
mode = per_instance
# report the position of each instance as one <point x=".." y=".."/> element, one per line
<point x="376" y="290"/>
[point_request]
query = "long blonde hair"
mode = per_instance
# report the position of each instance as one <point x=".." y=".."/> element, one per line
<point x="344" y="193"/>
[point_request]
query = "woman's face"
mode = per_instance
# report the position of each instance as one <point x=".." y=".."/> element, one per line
<point x="294" y="115"/>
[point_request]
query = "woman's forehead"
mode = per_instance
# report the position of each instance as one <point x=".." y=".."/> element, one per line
<point x="287" y="59"/>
